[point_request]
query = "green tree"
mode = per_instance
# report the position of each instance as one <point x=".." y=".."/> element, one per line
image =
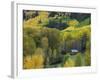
<point x="88" y="54"/>
<point x="50" y="52"/>
<point x="78" y="61"/>
<point x="85" y="22"/>
<point x="28" y="31"/>
<point x="53" y="38"/>
<point x="87" y="58"/>
<point x="29" y="45"/>
<point x="54" y="53"/>
<point x="44" y="42"/>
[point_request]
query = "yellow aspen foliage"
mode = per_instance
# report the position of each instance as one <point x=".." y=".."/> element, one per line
<point x="28" y="64"/>
<point x="69" y="63"/>
<point x="73" y="23"/>
<point x="38" y="58"/>
<point x="38" y="61"/>
<point x="66" y="36"/>
<point x="43" y="14"/>
<point x="34" y="61"/>
<point x="34" y="22"/>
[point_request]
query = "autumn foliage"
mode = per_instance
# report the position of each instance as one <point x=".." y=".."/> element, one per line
<point x="56" y="39"/>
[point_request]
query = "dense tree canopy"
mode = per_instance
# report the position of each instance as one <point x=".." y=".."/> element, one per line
<point x="56" y="39"/>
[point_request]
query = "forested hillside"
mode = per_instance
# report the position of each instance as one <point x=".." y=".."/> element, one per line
<point x="56" y="39"/>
